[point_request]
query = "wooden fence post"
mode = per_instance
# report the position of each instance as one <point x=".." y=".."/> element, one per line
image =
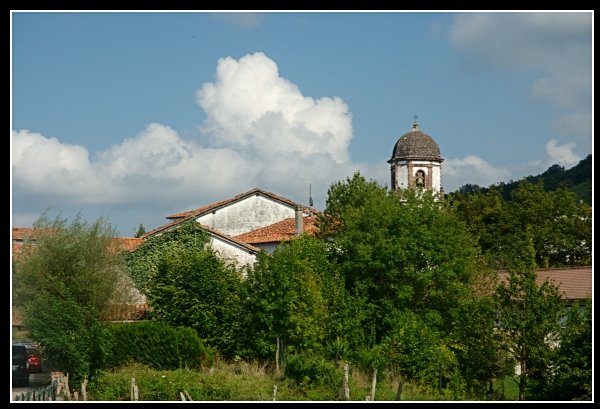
<point x="345" y="387"/>
<point x="274" y="392"/>
<point x="83" y="391"/>
<point x="399" y="391"/>
<point x="277" y="357"/>
<point x="133" y="389"/>
<point x="66" y="386"/>
<point x="373" y="384"/>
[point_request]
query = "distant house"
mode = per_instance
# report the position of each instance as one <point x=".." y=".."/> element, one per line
<point x="242" y="226"/>
<point x="574" y="283"/>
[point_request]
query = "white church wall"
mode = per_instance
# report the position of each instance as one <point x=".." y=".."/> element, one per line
<point x="229" y="252"/>
<point x="248" y="214"/>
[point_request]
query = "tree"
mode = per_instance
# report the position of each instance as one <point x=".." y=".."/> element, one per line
<point x="561" y="228"/>
<point x="64" y="280"/>
<point x="528" y="313"/>
<point x="401" y="250"/>
<point x="287" y="297"/>
<point x="141" y="231"/>
<point x="570" y="377"/>
<point x="187" y="284"/>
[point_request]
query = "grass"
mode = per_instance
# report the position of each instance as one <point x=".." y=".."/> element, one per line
<point x="240" y="381"/>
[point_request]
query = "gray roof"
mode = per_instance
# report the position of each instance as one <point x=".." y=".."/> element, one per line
<point x="416" y="144"/>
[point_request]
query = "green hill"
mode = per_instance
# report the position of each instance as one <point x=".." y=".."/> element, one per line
<point x="577" y="179"/>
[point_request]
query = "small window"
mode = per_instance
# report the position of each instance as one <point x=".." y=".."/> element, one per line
<point x="420" y="179"/>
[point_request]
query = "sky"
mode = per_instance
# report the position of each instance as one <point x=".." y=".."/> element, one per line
<point x="133" y="116"/>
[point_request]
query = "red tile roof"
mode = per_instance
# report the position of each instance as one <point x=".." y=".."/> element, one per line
<point x="574" y="282"/>
<point x="19" y="233"/>
<point x="129" y="243"/>
<point x="216" y="205"/>
<point x="278" y="232"/>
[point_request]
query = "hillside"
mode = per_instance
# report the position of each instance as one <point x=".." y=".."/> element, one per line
<point x="577" y="179"/>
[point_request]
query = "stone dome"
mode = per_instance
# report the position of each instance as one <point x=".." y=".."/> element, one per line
<point x="416" y="144"/>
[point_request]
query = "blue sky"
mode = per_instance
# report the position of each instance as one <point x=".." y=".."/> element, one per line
<point x="137" y="115"/>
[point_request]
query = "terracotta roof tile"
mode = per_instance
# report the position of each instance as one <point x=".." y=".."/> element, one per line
<point x="20" y="233"/>
<point x="129" y="243"/>
<point x="574" y="282"/>
<point x="278" y="232"/>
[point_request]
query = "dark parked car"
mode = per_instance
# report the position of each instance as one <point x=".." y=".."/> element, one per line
<point x="34" y="357"/>
<point x="20" y="376"/>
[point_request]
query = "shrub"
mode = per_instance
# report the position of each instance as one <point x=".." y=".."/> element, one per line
<point x="308" y="369"/>
<point x="157" y="345"/>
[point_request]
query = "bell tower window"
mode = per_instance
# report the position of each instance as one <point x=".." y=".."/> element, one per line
<point x="420" y="179"/>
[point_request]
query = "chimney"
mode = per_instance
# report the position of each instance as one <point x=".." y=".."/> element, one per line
<point x="299" y="221"/>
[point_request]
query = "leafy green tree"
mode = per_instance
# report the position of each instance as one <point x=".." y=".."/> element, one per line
<point x="570" y="377"/>
<point x="529" y="313"/>
<point x="295" y="295"/>
<point x="561" y="227"/>
<point x="474" y="340"/>
<point x="64" y="280"/>
<point x="401" y="250"/>
<point x="141" y="231"/>
<point x="187" y="284"/>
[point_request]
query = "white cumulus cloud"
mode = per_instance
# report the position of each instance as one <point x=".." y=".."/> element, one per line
<point x="562" y="154"/>
<point x="250" y="106"/>
<point x="471" y="170"/>
<point x="262" y="132"/>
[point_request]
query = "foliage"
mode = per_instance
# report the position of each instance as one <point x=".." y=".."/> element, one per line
<point x="242" y="381"/>
<point x="288" y="297"/>
<point x="73" y="341"/>
<point x="143" y="262"/>
<point x="475" y="341"/>
<point x="578" y="180"/>
<point x="65" y="280"/>
<point x="157" y="345"/>
<point x="307" y="369"/>
<point x="74" y="260"/>
<point x="413" y="348"/>
<point x="571" y="374"/>
<point x="529" y="314"/>
<point x="561" y="227"/>
<point x="140" y="232"/>
<point x="401" y="251"/>
<point x="187" y="284"/>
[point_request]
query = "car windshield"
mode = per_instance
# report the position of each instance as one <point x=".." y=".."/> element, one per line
<point x="19" y="352"/>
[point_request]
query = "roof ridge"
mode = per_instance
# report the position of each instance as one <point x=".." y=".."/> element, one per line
<point x="216" y="205"/>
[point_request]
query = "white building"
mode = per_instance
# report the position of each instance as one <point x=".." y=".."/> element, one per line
<point x="242" y="226"/>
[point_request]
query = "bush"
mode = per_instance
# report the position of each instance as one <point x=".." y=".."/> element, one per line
<point x="307" y="369"/>
<point x="157" y="345"/>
